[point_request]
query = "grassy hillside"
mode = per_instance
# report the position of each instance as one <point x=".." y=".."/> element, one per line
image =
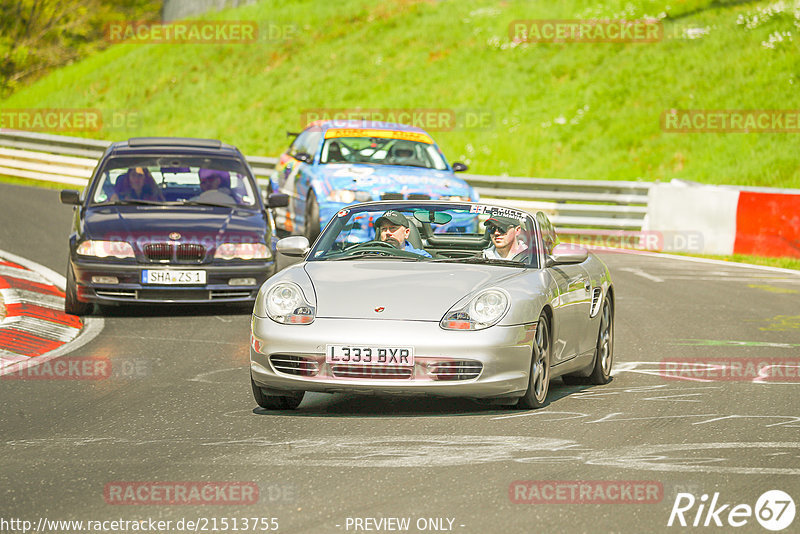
<point x="570" y="110"/>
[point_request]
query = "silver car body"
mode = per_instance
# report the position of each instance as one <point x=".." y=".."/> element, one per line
<point x="377" y="302"/>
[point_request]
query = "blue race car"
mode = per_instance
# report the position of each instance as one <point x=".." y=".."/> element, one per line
<point x="332" y="164"/>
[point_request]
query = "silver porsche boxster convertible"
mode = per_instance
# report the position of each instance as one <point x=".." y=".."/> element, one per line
<point x="452" y="299"/>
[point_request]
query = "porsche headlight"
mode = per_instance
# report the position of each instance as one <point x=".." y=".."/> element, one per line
<point x="242" y="251"/>
<point x="347" y="196"/>
<point x="286" y="304"/>
<point x="484" y="310"/>
<point x="104" y="249"/>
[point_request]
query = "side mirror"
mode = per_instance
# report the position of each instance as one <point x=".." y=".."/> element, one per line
<point x="459" y="167"/>
<point x="70" y="196"/>
<point x="304" y="157"/>
<point x="567" y="253"/>
<point x="295" y="246"/>
<point x="278" y="200"/>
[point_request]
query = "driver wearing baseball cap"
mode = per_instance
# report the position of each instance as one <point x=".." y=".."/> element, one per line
<point x="394" y="227"/>
<point x="506" y="244"/>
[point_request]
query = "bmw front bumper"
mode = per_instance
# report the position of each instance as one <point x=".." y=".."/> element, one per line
<point x="130" y="290"/>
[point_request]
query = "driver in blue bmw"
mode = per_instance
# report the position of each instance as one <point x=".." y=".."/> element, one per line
<point x="394" y="227"/>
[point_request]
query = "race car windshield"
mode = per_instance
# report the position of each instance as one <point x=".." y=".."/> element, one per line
<point x="198" y="182"/>
<point x="475" y="234"/>
<point x="381" y="151"/>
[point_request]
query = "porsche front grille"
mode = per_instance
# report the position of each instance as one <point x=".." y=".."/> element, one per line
<point x="372" y="371"/>
<point x="455" y="370"/>
<point x="294" y="365"/>
<point x="177" y="252"/>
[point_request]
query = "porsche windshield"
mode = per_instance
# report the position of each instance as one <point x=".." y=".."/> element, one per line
<point x="382" y="151"/>
<point x="430" y="232"/>
<point x="155" y="181"/>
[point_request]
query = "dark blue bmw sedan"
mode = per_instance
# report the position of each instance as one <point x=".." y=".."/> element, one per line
<point x="169" y="220"/>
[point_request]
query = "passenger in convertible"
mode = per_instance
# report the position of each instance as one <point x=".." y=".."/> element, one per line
<point x="394" y="227"/>
<point x="506" y="243"/>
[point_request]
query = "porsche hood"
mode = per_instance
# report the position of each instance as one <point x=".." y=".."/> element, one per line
<point x="397" y="290"/>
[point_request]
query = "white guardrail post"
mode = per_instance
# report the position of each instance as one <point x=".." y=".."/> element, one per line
<point x="576" y="207"/>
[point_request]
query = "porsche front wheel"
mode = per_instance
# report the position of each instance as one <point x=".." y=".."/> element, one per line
<point x="276" y="402"/>
<point x="539" y="376"/>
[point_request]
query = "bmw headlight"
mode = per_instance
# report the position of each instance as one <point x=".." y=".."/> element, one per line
<point x="104" y="249"/>
<point x="242" y="251"/>
<point x="347" y="196"/>
<point x="484" y="310"/>
<point x="286" y="304"/>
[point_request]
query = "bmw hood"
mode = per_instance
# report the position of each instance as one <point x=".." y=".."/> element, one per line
<point x="148" y="223"/>
<point x="379" y="179"/>
<point x="401" y="290"/>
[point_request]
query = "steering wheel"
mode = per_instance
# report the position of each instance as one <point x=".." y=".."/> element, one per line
<point x="378" y="244"/>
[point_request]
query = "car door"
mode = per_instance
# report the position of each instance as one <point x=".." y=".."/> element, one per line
<point x="571" y="307"/>
<point x="305" y="171"/>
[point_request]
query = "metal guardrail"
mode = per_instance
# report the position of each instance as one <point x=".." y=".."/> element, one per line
<point x="571" y="204"/>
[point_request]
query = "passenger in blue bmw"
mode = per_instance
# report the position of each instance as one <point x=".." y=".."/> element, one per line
<point x="393" y="227"/>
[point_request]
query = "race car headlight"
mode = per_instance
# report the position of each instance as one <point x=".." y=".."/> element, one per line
<point x="286" y="304"/>
<point x="242" y="251"/>
<point x="483" y="311"/>
<point x="104" y="249"/>
<point x="346" y="196"/>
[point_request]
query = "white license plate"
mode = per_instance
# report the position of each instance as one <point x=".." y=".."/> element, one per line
<point x="168" y="277"/>
<point x="369" y="355"/>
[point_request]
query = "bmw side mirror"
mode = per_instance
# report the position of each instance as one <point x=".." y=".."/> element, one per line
<point x="295" y="246"/>
<point x="278" y="200"/>
<point x="70" y="196"/>
<point x="304" y="157"/>
<point x="567" y="253"/>
<point x="459" y="167"/>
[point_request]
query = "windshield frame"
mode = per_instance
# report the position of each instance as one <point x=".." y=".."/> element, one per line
<point x="230" y="164"/>
<point x="534" y="259"/>
<point x="426" y="150"/>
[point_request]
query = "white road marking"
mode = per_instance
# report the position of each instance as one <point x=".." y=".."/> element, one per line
<point x="92" y="326"/>
<point x="641" y="273"/>
<point x="42" y="328"/>
<point x="23" y="296"/>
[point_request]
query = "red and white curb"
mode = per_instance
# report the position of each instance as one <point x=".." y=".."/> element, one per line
<point x="35" y="328"/>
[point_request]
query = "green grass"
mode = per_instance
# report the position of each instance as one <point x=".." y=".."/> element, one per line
<point x="784" y="263"/>
<point x="456" y="55"/>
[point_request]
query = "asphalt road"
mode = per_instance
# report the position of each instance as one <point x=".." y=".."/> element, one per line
<point x="178" y="407"/>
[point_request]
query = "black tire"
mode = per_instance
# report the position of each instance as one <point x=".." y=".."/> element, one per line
<point x="539" y="376"/>
<point x="604" y="353"/>
<point x="72" y="305"/>
<point x="311" y="229"/>
<point x="276" y="402"/>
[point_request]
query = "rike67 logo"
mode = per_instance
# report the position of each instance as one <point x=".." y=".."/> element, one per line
<point x="774" y="510"/>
